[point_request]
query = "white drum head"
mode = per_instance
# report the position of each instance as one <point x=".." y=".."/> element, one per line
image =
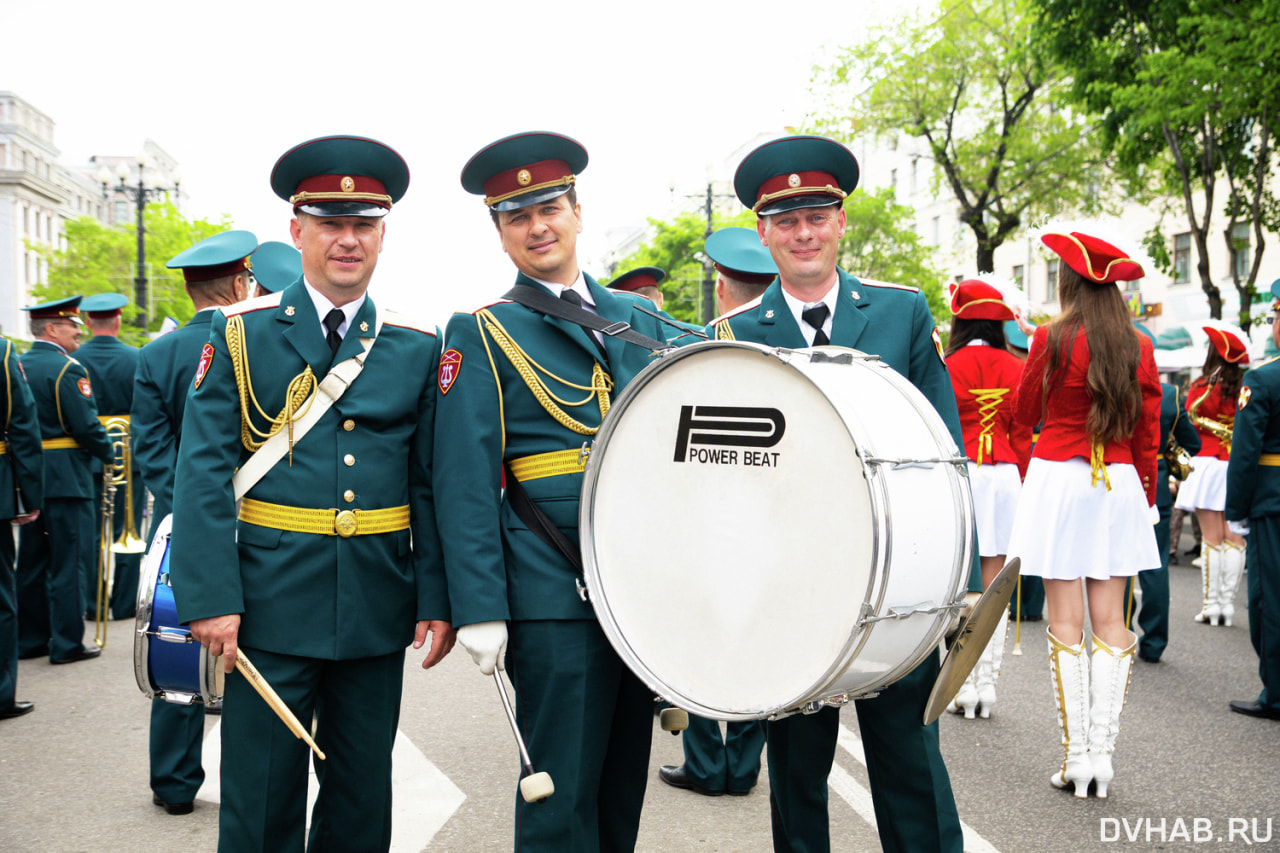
<point x="728" y="531"/>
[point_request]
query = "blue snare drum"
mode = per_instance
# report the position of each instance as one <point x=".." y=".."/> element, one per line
<point x="167" y="663"/>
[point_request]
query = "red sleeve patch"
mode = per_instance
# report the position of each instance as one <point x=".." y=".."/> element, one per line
<point x="450" y="366"/>
<point x="83" y="384"/>
<point x="206" y="358"/>
<point x="937" y="344"/>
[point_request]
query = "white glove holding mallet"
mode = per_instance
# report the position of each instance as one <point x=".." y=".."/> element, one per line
<point x="486" y="642"/>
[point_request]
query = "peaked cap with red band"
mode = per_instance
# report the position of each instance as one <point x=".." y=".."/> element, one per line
<point x="1096" y="260"/>
<point x="974" y="299"/>
<point x="1228" y="345"/>
<point x="738" y="254"/>
<point x="104" y="306"/>
<point x="638" y="278"/>
<point x="524" y="169"/>
<point x="215" y="257"/>
<point x="57" y="309"/>
<point x="795" y="172"/>
<point x="341" y="176"/>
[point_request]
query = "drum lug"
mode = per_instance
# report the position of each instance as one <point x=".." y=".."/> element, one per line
<point x="582" y="588"/>
<point x="582" y="457"/>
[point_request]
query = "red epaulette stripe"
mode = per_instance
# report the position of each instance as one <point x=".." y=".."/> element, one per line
<point x="873" y="283"/>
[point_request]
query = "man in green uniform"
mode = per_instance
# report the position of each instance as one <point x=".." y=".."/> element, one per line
<point x="728" y="764"/>
<point x="276" y="265"/>
<point x="54" y="550"/>
<point x="21" y="496"/>
<point x="642" y="281"/>
<point x="216" y="275"/>
<point x="111" y="364"/>
<point x="796" y="186"/>
<point x="1253" y="508"/>
<point x="334" y="565"/>
<point x="522" y="390"/>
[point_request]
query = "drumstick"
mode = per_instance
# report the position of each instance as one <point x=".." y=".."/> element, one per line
<point x="269" y="695"/>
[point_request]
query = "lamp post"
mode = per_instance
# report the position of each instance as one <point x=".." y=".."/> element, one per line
<point x="140" y="195"/>
<point x="708" y="268"/>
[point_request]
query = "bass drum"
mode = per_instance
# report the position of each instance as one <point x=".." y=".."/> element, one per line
<point x="766" y="531"/>
<point x="167" y="663"/>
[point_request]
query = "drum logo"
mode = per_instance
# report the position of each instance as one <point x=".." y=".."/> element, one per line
<point x="704" y="431"/>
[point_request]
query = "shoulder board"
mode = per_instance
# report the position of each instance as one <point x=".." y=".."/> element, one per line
<point x="404" y="321"/>
<point x="1271" y="360"/>
<point x="490" y="304"/>
<point x="746" y="306"/>
<point x="268" y="300"/>
<point x="873" y="283"/>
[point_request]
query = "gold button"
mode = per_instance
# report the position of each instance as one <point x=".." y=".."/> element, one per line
<point x="349" y="459"/>
<point x="348" y="425"/>
<point x="348" y="496"/>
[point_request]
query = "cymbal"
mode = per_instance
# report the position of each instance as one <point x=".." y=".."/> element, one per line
<point x="971" y="638"/>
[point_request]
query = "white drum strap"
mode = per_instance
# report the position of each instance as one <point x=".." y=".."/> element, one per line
<point x="333" y="386"/>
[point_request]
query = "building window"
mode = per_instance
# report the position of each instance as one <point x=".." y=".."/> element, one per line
<point x="1018" y="276"/>
<point x="915" y="171"/>
<point x="1240" y="250"/>
<point x="121" y="213"/>
<point x="1134" y="286"/>
<point x="1182" y="258"/>
<point x="893" y="182"/>
<point x="1051" y="291"/>
<point x="937" y="231"/>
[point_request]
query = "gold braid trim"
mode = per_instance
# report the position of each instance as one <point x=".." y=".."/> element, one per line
<point x="1098" y="465"/>
<point x="299" y="396"/>
<point x="724" y="332"/>
<point x="989" y="401"/>
<point x="529" y="369"/>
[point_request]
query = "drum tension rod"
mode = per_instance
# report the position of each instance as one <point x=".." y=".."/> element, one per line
<point x="584" y="453"/>
<point x="582" y="588"/>
<point x="925" y="607"/>
<point x="915" y="463"/>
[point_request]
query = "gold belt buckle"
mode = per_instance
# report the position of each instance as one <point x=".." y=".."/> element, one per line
<point x="345" y="524"/>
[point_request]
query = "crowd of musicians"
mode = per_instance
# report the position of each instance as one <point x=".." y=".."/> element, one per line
<point x="322" y="520"/>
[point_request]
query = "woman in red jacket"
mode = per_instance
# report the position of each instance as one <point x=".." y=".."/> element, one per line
<point x="1088" y="502"/>
<point x="1211" y="402"/>
<point x="984" y="375"/>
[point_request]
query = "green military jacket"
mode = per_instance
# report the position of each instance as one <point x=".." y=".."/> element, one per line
<point x="1173" y="420"/>
<point x="888" y="320"/>
<point x="22" y="463"/>
<point x="1253" y="473"/>
<point x="111" y="365"/>
<point x="67" y="410"/>
<point x="309" y="594"/>
<point x="490" y="413"/>
<point x="166" y="367"/>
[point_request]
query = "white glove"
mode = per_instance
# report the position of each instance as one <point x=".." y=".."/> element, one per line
<point x="1239" y="528"/>
<point x="486" y="642"/>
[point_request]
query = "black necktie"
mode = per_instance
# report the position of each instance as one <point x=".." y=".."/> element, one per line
<point x="332" y="321"/>
<point x="571" y="296"/>
<point x="816" y="317"/>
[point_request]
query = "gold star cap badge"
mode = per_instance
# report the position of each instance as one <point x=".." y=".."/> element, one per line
<point x="523" y="177"/>
<point x="288" y="311"/>
<point x="348" y="184"/>
<point x="793" y="180"/>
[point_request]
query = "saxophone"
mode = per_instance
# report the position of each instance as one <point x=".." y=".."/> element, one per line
<point x="1215" y="428"/>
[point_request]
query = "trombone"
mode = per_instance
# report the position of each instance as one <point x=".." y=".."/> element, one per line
<point x="117" y="473"/>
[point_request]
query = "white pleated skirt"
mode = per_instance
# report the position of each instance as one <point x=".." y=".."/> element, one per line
<point x="1067" y="529"/>
<point x="1206" y="487"/>
<point x="995" y="502"/>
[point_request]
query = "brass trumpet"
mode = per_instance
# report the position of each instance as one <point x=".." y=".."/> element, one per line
<point x="117" y="473"/>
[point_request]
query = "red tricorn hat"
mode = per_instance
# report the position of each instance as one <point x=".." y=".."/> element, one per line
<point x="1228" y="345"/>
<point x="1095" y="259"/>
<point x="974" y="299"/>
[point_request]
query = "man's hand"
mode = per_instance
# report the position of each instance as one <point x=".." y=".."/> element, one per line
<point x="442" y="639"/>
<point x="486" y="642"/>
<point x="219" y="634"/>
<point x="27" y="517"/>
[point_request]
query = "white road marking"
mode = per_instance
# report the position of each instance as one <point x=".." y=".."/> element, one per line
<point x="423" y="798"/>
<point x="859" y="798"/>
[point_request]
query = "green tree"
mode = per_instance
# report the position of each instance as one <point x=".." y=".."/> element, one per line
<point x="101" y="259"/>
<point x="969" y="82"/>
<point x="1186" y="94"/>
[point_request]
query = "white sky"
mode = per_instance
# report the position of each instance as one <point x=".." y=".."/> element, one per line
<point x="655" y="91"/>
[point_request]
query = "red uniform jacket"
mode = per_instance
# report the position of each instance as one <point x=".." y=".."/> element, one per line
<point x="1214" y="408"/>
<point x="1063" y="436"/>
<point x="985" y="380"/>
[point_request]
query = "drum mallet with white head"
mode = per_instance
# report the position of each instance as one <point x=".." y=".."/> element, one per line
<point x="534" y="786"/>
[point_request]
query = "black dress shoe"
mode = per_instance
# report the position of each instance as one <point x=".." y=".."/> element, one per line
<point x="17" y="709"/>
<point x="34" y="653"/>
<point x="173" y="808"/>
<point x="1146" y="657"/>
<point x="1253" y="709"/>
<point x="85" y="653"/>
<point x="675" y="776"/>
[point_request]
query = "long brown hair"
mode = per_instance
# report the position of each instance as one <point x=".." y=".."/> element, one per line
<point x="963" y="331"/>
<point x="1229" y="373"/>
<point x="1114" y="354"/>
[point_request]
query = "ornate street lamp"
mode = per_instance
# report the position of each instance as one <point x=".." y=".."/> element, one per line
<point x="140" y="195"/>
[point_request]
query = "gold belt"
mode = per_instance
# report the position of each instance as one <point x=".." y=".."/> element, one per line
<point x="324" y="522"/>
<point x="102" y="419"/>
<point x="1270" y="459"/>
<point x="552" y="464"/>
<point x="65" y="443"/>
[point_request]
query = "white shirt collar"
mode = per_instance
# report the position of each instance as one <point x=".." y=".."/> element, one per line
<point x="324" y="306"/>
<point x="797" y="307"/>
<point x="578" y="285"/>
